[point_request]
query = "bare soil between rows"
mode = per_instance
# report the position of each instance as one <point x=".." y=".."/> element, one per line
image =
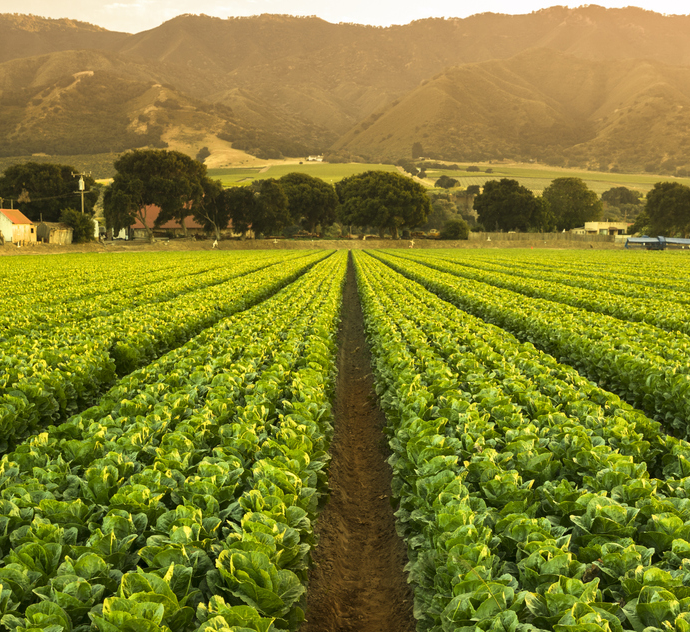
<point x="357" y="582"/>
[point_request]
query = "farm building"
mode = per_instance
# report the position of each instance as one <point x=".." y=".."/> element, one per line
<point x="16" y="227"/>
<point x="168" y="229"/>
<point x="54" y="233"/>
<point x="602" y="228"/>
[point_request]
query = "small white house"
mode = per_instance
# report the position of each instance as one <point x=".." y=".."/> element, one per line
<point x="606" y="228"/>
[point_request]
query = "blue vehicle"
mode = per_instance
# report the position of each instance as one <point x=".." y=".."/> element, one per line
<point x="657" y="243"/>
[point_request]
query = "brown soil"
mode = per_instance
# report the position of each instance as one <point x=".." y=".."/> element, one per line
<point x="141" y="245"/>
<point x="358" y="583"/>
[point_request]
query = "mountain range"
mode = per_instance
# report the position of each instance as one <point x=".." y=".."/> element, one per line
<point x="604" y="88"/>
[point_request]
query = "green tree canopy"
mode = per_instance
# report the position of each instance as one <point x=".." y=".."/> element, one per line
<point x="455" y="228"/>
<point x="408" y="166"/>
<point x="82" y="224"/>
<point x="242" y="207"/>
<point x="384" y="200"/>
<point x="572" y="203"/>
<point x="668" y="209"/>
<point x="506" y="205"/>
<point x="45" y="190"/>
<point x="170" y="180"/>
<point x="617" y="196"/>
<point x="212" y="211"/>
<point x="262" y="206"/>
<point x="272" y="213"/>
<point x="445" y="182"/>
<point x="312" y="201"/>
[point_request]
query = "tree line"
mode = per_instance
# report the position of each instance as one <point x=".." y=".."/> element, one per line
<point x="180" y="187"/>
<point x="379" y="201"/>
<point x="567" y="203"/>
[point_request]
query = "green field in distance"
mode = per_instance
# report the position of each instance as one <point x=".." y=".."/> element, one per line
<point x="324" y="170"/>
<point x="538" y="177"/>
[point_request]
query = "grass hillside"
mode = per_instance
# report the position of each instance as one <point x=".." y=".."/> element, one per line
<point x="30" y="36"/>
<point x="540" y="105"/>
<point x="591" y="86"/>
<point x="50" y="104"/>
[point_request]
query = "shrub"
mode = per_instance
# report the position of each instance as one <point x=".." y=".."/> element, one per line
<point x="455" y="229"/>
<point x="81" y="223"/>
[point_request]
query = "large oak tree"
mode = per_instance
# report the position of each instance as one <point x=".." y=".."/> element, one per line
<point x="212" y="211"/>
<point x="312" y="201"/>
<point x="572" y="203"/>
<point x="170" y="180"/>
<point x="506" y="205"/>
<point x="384" y="200"/>
<point x="667" y="211"/>
<point x="263" y="207"/>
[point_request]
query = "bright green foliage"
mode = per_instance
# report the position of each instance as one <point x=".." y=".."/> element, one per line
<point x="530" y="499"/>
<point x="607" y="296"/>
<point x="185" y="498"/>
<point x="384" y="200"/>
<point x="644" y="364"/>
<point x="58" y="359"/>
<point x="571" y="203"/>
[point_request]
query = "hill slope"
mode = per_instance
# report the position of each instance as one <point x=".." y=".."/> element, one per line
<point x="539" y="105"/>
<point x="90" y="102"/>
<point x="300" y="85"/>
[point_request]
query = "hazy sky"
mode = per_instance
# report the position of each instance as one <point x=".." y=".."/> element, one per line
<point x="134" y="16"/>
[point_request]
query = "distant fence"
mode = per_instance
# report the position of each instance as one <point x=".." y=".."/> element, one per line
<point x="572" y="237"/>
<point x="476" y="240"/>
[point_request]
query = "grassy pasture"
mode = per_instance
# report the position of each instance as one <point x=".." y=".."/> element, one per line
<point x="537" y="178"/>
<point x="329" y="172"/>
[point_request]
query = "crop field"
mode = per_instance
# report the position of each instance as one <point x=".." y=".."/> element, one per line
<point x="175" y="436"/>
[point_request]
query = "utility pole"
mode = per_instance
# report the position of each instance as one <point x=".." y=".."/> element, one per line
<point x="82" y="186"/>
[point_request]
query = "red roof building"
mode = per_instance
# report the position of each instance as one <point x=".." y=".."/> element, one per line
<point x="16" y="227"/>
<point x="151" y="214"/>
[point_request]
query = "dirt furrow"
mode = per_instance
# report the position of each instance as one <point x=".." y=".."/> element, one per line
<point x="358" y="583"/>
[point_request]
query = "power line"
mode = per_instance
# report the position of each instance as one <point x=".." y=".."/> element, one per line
<point x="43" y="199"/>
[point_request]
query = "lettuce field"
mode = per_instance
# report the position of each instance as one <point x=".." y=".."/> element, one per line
<point x="168" y="424"/>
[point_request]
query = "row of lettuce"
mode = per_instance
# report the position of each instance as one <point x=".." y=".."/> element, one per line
<point x="530" y="499"/>
<point x="65" y="363"/>
<point x="630" y="274"/>
<point x="618" y="271"/>
<point x="658" y="308"/>
<point x="647" y="366"/>
<point x="96" y="286"/>
<point x="184" y="499"/>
